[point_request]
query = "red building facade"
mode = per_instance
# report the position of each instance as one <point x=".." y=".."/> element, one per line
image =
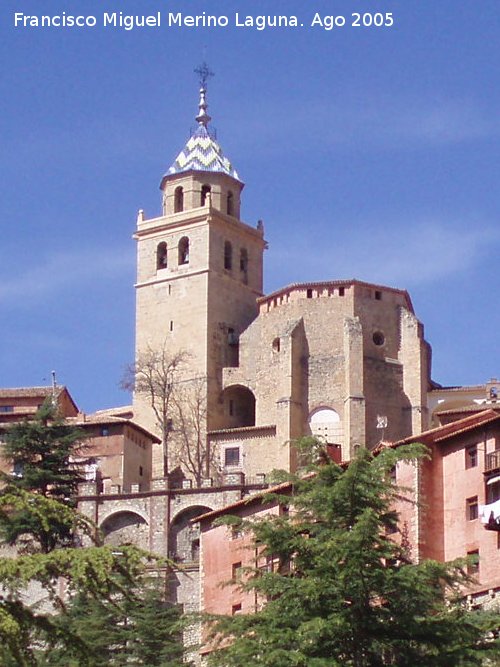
<point x="452" y="510"/>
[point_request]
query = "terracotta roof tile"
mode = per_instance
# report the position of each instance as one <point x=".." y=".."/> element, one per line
<point x="29" y="392"/>
<point x="470" y="408"/>
<point x="450" y="430"/>
<point x="100" y="420"/>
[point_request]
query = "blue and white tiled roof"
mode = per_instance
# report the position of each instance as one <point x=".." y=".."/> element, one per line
<point x="202" y="152"/>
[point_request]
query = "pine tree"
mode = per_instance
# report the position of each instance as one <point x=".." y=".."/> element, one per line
<point x="88" y="594"/>
<point x="41" y="453"/>
<point x="344" y="593"/>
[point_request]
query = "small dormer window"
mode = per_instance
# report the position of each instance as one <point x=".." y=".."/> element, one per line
<point x="161" y="256"/>
<point x="230" y="203"/>
<point x="228" y="256"/>
<point x="205" y="193"/>
<point x="184" y="250"/>
<point x="178" y="199"/>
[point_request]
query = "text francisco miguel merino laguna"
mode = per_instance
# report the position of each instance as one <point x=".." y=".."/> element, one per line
<point x="168" y="19"/>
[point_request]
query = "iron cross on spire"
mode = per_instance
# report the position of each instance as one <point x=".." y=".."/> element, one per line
<point x="204" y="72"/>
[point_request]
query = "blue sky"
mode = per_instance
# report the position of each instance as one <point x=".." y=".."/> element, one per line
<point x="376" y="149"/>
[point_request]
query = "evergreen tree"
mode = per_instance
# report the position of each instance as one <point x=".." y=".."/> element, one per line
<point x="344" y="593"/>
<point x="139" y="628"/>
<point x="86" y="595"/>
<point x="41" y="454"/>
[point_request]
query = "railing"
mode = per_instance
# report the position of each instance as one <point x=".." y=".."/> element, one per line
<point x="105" y="487"/>
<point x="492" y="460"/>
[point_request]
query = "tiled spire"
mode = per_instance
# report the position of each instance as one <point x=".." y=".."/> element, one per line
<point x="202" y="151"/>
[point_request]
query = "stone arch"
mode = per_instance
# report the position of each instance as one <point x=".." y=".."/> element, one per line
<point x="239" y="406"/>
<point x="325" y="423"/>
<point x="125" y="527"/>
<point x="184" y="536"/>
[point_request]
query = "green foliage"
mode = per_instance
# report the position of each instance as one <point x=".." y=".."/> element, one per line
<point x="91" y="602"/>
<point x="40" y="451"/>
<point x="343" y="593"/>
<point x="96" y="573"/>
<point x="139" y="628"/>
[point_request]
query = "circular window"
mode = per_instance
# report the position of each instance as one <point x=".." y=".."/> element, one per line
<point x="378" y="338"/>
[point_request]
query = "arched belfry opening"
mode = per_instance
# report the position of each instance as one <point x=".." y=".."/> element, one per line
<point x="205" y="194"/>
<point x="228" y="256"/>
<point x="161" y="256"/>
<point x="244" y="264"/>
<point x="183" y="251"/>
<point x="178" y="199"/>
<point x="239" y="407"/>
<point x="230" y="203"/>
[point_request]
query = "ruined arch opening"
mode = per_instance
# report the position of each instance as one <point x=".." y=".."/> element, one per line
<point x="184" y="536"/>
<point x="239" y="407"/>
<point x="125" y="527"/>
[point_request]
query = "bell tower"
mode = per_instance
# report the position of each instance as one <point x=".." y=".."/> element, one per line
<point x="199" y="273"/>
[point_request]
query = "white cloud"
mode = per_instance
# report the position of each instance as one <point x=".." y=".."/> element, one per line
<point x="398" y="122"/>
<point x="63" y="271"/>
<point x="422" y="252"/>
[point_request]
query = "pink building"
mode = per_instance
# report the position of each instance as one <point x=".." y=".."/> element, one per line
<point x="457" y="513"/>
<point x="459" y="496"/>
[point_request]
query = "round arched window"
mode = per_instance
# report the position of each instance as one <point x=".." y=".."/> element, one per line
<point x="326" y="425"/>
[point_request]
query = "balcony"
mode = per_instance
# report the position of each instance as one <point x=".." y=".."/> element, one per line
<point x="490" y="515"/>
<point x="492" y="461"/>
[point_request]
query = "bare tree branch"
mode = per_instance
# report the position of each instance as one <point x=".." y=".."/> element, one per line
<point x="155" y="375"/>
<point x="190" y="409"/>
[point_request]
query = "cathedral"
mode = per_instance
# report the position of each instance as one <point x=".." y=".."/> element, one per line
<point x="344" y="360"/>
<point x="226" y="378"/>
